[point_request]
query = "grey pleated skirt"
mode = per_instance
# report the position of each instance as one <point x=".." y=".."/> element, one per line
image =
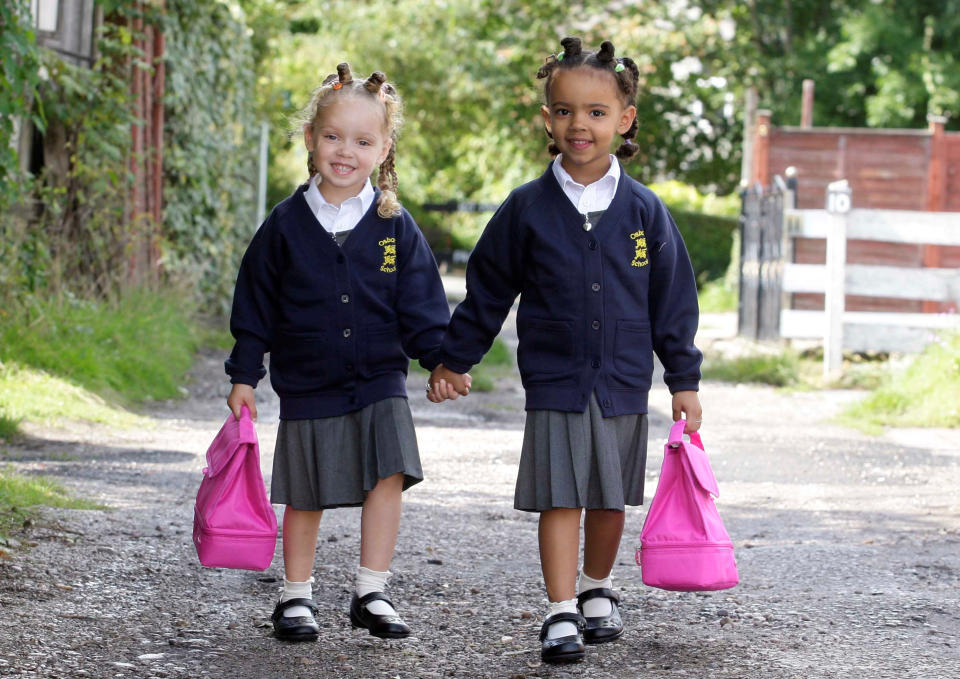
<point x="334" y="461"/>
<point x="581" y="460"/>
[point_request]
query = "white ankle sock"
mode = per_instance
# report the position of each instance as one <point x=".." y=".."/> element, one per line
<point x="599" y="607"/>
<point x="564" y="628"/>
<point x="373" y="581"/>
<point x="296" y="590"/>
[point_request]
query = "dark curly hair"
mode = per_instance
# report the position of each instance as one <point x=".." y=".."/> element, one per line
<point x="627" y="78"/>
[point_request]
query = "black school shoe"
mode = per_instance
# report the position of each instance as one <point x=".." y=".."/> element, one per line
<point x="299" y="628"/>
<point x="383" y="626"/>
<point x="562" y="649"/>
<point x="604" y="628"/>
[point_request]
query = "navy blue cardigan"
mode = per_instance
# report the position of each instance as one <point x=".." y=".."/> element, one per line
<point x="339" y="322"/>
<point x="594" y="306"/>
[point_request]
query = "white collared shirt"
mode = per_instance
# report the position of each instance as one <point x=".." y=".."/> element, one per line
<point x="592" y="197"/>
<point x="343" y="218"/>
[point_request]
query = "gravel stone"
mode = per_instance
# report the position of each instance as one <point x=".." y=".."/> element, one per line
<point x="848" y="548"/>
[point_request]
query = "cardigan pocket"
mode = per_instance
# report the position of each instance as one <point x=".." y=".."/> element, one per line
<point x="383" y="351"/>
<point x="633" y="349"/>
<point x="546" y="350"/>
<point x="301" y="363"/>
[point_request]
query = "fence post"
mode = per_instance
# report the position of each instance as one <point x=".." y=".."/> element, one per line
<point x="839" y="200"/>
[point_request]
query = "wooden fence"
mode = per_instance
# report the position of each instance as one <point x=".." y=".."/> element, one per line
<point x="873" y="330"/>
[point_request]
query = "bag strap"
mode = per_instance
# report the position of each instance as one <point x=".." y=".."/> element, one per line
<point x="676" y="435"/>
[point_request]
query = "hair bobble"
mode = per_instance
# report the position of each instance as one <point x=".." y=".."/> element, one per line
<point x="337" y="85"/>
<point x="560" y="57"/>
<point x="619" y="67"/>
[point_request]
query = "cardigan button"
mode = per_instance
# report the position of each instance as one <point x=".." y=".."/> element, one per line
<point x="595" y="325"/>
<point x="595" y="287"/>
<point x="346" y="332"/>
<point x="592" y="244"/>
<point x="345" y="299"/>
<point x="607" y="403"/>
<point x="596" y="363"/>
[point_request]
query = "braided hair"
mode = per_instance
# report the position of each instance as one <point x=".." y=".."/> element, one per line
<point x="341" y="84"/>
<point x="623" y="69"/>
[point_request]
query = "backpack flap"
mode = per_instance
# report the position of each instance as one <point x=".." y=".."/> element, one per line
<point x="233" y="435"/>
<point x="699" y="465"/>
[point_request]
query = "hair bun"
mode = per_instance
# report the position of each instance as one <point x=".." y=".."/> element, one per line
<point x="343" y="72"/>
<point x="606" y="53"/>
<point x="374" y="82"/>
<point x="571" y="47"/>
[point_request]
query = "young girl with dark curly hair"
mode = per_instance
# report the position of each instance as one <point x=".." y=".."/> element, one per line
<point x="604" y="281"/>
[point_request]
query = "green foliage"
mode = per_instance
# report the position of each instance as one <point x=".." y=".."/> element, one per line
<point x="73" y="234"/>
<point x="212" y="137"/>
<point x="717" y="296"/>
<point x="778" y="369"/>
<point x="926" y="393"/>
<point x="19" y="77"/>
<point x="708" y="241"/>
<point x="138" y="347"/>
<point x="496" y="363"/>
<point x="8" y="426"/>
<point x="683" y="197"/>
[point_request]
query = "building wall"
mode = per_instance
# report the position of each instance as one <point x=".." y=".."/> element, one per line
<point x="74" y="38"/>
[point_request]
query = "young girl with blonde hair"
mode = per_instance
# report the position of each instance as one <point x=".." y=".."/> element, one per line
<point x="340" y="287"/>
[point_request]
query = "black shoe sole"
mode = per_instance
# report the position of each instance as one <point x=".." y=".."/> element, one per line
<point x="358" y="624"/>
<point x="310" y="636"/>
<point x="602" y="640"/>
<point x="573" y="656"/>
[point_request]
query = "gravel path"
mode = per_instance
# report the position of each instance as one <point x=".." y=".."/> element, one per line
<point x="848" y="547"/>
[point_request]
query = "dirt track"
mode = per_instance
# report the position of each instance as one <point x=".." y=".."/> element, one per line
<point x="848" y="547"/>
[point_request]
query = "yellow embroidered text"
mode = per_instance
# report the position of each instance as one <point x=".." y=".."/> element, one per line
<point x="389" y="246"/>
<point x="640" y="249"/>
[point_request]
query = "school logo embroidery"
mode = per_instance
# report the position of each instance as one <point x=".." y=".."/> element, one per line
<point x="389" y="246"/>
<point x="640" y="249"/>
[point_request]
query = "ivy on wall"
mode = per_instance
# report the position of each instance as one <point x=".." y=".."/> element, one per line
<point x="71" y="231"/>
<point x="211" y="145"/>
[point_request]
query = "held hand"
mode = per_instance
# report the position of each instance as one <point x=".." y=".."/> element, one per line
<point x="240" y="395"/>
<point x="446" y="384"/>
<point x="687" y="403"/>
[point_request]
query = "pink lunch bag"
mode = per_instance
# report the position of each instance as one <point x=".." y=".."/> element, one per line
<point x="233" y="522"/>
<point x="683" y="544"/>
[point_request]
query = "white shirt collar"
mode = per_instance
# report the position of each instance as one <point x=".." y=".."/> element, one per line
<point x="592" y="197"/>
<point x="335" y="218"/>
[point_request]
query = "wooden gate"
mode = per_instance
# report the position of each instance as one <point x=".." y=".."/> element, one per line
<point x="761" y="264"/>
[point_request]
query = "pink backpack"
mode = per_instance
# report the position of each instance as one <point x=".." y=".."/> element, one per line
<point x="683" y="544"/>
<point x="233" y="522"/>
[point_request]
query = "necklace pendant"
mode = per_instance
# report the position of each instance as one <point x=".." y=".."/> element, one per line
<point x="587" y="225"/>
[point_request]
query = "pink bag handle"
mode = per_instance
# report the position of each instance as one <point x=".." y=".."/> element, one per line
<point x="676" y="435"/>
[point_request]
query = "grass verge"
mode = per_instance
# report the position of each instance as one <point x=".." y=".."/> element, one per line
<point x="136" y="348"/>
<point x="923" y="393"/>
<point x="779" y="370"/>
<point x="19" y="495"/>
<point x="30" y="394"/>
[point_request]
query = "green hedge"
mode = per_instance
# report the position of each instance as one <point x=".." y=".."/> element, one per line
<point x="708" y="239"/>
